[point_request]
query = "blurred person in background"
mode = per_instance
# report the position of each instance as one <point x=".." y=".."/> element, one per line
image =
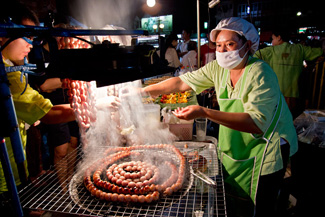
<point x="208" y="52"/>
<point x="287" y="61"/>
<point x="171" y="53"/>
<point x="189" y="60"/>
<point x="182" y="46"/>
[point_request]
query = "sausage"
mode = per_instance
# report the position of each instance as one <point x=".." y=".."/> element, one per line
<point x="128" y="198"/>
<point x="149" y="198"/>
<point x="125" y="183"/>
<point x="141" y="199"/>
<point x="134" y="198"/>
<point x="133" y="181"/>
<point x="127" y="175"/>
<point x="119" y="182"/>
<point x="108" y="196"/>
<point x="131" y="184"/>
<point x="168" y="191"/>
<point x="114" y="197"/>
<point x="121" y="198"/>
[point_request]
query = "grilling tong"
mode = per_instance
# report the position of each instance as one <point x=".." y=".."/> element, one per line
<point x="206" y="179"/>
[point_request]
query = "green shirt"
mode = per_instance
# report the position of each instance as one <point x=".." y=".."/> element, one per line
<point x="30" y="107"/>
<point x="259" y="97"/>
<point x="287" y="62"/>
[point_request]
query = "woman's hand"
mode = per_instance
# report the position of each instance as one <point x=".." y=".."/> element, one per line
<point x="108" y="102"/>
<point x="189" y="112"/>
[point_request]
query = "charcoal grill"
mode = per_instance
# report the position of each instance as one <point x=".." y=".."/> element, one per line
<point x="198" y="199"/>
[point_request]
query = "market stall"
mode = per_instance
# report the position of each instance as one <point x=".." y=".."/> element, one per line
<point x="192" y="179"/>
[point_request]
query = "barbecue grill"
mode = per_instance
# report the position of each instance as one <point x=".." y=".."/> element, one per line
<point x="196" y="198"/>
<point x="53" y="194"/>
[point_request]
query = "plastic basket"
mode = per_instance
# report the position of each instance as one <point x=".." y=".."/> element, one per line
<point x="183" y="130"/>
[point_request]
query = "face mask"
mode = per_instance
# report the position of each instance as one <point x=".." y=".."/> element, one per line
<point x="230" y="59"/>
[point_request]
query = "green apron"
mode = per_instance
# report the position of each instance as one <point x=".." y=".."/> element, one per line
<point x="241" y="153"/>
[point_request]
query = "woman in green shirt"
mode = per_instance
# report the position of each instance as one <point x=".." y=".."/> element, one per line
<point x="256" y="127"/>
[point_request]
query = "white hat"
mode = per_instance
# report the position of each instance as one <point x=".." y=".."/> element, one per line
<point x="240" y="26"/>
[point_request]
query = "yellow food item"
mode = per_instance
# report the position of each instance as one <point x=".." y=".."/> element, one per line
<point x="174" y="98"/>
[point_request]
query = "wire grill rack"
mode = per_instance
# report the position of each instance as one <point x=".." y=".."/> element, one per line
<point x="51" y="193"/>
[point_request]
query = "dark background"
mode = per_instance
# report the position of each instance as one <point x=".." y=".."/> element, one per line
<point x="128" y="13"/>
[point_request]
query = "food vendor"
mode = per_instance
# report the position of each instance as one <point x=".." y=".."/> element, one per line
<point x="256" y="134"/>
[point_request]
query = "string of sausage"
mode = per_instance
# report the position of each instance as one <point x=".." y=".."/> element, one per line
<point x="139" y="189"/>
<point x="71" y="43"/>
<point x="80" y="93"/>
<point x="82" y="99"/>
<point x="117" y="193"/>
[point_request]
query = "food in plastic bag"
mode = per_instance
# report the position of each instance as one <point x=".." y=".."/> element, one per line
<point x="168" y="116"/>
<point x="310" y="127"/>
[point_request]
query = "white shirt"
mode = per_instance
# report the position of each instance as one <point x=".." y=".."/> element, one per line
<point x="190" y="60"/>
<point x="182" y="47"/>
<point x="172" y="57"/>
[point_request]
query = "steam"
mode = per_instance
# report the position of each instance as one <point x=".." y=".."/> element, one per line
<point x="140" y="122"/>
<point x="98" y="13"/>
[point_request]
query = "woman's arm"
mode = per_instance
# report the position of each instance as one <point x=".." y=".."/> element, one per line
<point x="237" y="121"/>
<point x="168" y="86"/>
<point x="59" y="114"/>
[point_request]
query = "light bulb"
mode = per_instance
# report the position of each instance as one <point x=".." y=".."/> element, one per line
<point x="151" y="3"/>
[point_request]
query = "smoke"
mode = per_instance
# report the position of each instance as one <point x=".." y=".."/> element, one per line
<point x="133" y="122"/>
<point x="98" y="13"/>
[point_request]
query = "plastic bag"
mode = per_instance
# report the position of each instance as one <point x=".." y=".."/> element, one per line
<point x="168" y="116"/>
<point x="310" y="128"/>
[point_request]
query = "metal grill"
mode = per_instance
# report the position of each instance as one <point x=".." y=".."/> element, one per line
<point x="50" y="193"/>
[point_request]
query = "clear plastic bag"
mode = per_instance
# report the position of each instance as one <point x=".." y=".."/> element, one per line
<point x="168" y="116"/>
<point x="310" y="128"/>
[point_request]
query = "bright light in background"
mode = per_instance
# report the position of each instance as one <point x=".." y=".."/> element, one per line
<point x="205" y="25"/>
<point x="248" y="10"/>
<point x="154" y="26"/>
<point x="161" y="25"/>
<point x="299" y="13"/>
<point x="151" y="3"/>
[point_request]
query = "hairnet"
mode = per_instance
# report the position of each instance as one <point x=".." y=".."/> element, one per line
<point x="240" y="26"/>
